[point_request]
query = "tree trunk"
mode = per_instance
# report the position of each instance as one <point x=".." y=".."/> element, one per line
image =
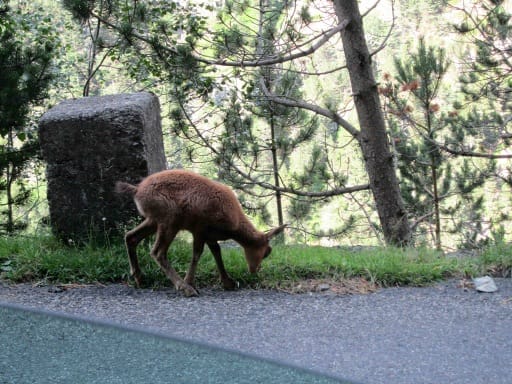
<point x="275" y="171"/>
<point x="373" y="139"/>
<point x="437" y="217"/>
<point x="10" y="176"/>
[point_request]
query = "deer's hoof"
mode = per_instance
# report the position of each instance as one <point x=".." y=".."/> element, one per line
<point x="138" y="279"/>
<point x="230" y="284"/>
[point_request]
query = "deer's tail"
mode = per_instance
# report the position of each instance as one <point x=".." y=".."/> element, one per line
<point x="126" y="188"/>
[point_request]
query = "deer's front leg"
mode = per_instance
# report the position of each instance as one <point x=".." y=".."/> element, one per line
<point x="227" y="282"/>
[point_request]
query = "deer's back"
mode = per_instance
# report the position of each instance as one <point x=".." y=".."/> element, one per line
<point x="188" y="200"/>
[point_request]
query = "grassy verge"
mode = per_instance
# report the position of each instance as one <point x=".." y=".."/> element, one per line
<point x="43" y="259"/>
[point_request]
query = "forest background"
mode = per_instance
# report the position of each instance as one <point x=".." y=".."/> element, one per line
<point x="442" y="71"/>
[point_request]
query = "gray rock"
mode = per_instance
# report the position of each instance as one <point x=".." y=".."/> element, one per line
<point x="89" y="144"/>
<point x="323" y="287"/>
<point x="485" y="284"/>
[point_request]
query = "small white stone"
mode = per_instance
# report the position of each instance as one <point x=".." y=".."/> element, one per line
<point x="485" y="284"/>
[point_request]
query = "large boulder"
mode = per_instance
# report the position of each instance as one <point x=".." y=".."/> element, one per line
<point x="88" y="145"/>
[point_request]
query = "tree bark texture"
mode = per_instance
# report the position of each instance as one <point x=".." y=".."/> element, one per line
<point x="373" y="138"/>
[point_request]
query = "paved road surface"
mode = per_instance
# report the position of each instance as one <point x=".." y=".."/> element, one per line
<point x="440" y="334"/>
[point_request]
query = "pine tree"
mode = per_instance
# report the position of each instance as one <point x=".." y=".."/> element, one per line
<point x="485" y="109"/>
<point x="282" y="131"/>
<point x="437" y="188"/>
<point x="486" y="81"/>
<point x="488" y="28"/>
<point x="25" y="74"/>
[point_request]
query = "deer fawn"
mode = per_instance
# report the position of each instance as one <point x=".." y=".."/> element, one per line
<point x="175" y="200"/>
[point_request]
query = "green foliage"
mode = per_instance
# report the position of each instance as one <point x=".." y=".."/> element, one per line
<point x="496" y="259"/>
<point x="260" y="137"/>
<point x="25" y="75"/>
<point x="486" y="79"/>
<point x="488" y="29"/>
<point x="437" y="189"/>
<point x="153" y="41"/>
<point x="80" y="9"/>
<point x="44" y="259"/>
<point x="480" y="124"/>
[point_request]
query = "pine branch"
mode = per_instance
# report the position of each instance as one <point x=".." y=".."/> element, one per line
<point x="465" y="153"/>
<point x="285" y="190"/>
<point x="420" y="220"/>
<point x="313" y="108"/>
<point x="279" y="58"/>
<point x="275" y="59"/>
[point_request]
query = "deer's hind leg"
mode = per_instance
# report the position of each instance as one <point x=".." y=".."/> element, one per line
<point x="197" y="251"/>
<point x="164" y="237"/>
<point x="132" y="239"/>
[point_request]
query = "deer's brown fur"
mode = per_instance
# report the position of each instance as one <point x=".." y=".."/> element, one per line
<point x="176" y="200"/>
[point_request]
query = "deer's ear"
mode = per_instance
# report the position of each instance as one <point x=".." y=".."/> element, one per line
<point x="275" y="231"/>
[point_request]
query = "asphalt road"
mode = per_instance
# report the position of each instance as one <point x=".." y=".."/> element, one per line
<point x="440" y="334"/>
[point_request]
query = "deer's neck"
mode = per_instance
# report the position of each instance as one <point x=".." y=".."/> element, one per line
<point x="248" y="235"/>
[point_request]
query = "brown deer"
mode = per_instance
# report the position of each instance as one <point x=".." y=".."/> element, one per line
<point x="175" y="200"/>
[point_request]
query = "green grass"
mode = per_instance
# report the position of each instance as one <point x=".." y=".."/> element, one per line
<point x="44" y="259"/>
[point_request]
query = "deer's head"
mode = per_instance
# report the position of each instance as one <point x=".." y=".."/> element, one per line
<point x="255" y="254"/>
